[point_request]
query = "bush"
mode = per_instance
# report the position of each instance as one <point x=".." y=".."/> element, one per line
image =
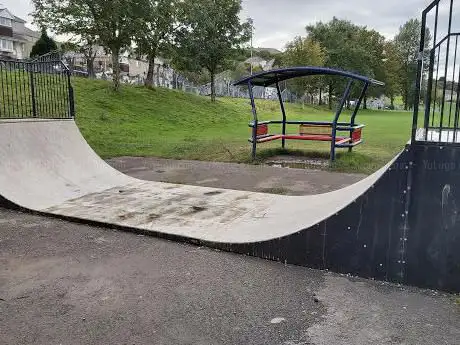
<point x="44" y="45"/>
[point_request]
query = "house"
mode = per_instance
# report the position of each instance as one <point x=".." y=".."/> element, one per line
<point x="258" y="62"/>
<point x="16" y="40"/>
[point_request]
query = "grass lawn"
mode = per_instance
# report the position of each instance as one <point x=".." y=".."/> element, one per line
<point x="172" y="124"/>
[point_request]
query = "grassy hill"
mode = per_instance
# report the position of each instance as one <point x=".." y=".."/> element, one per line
<point x="167" y="123"/>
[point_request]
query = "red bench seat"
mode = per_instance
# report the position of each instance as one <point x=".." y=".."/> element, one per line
<point x="310" y="133"/>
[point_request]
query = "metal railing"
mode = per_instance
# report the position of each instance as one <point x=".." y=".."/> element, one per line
<point x="35" y="89"/>
<point x="438" y="76"/>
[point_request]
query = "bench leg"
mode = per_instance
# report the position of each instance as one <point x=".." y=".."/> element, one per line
<point x="332" y="151"/>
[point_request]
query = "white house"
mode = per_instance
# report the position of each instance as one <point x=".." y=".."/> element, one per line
<point x="16" y="40"/>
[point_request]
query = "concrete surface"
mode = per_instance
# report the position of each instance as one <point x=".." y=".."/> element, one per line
<point x="63" y="283"/>
<point x="253" y="178"/>
<point x="47" y="166"/>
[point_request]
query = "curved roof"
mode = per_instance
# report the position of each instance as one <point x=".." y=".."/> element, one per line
<point x="268" y="78"/>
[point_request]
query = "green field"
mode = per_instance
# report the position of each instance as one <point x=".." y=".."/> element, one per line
<point x="167" y="123"/>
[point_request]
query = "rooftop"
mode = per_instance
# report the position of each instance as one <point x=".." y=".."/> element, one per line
<point x="271" y="77"/>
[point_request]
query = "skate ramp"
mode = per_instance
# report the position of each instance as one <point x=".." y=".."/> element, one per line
<point x="47" y="166"/>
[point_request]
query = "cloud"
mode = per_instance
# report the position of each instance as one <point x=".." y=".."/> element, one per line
<point x="276" y="22"/>
<point x="20" y="8"/>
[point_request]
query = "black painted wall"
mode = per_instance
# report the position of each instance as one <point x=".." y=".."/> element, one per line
<point x="406" y="229"/>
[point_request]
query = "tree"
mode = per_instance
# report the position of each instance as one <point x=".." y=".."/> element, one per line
<point x="44" y="45"/>
<point x="210" y="35"/>
<point x="305" y="52"/>
<point x="111" y="22"/>
<point x="347" y="47"/>
<point x="407" y="43"/>
<point x="86" y="46"/>
<point x="160" y="19"/>
<point x="393" y="68"/>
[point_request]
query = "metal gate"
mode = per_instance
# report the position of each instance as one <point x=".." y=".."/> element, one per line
<point x="437" y="98"/>
<point x="35" y="89"/>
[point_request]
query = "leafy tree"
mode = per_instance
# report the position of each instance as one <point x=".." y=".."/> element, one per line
<point x="305" y="52"/>
<point x="86" y="46"/>
<point x="111" y="22"/>
<point x="407" y="43"/>
<point x="44" y="45"/>
<point x="393" y="66"/>
<point x="211" y="34"/>
<point x="372" y="50"/>
<point x="155" y="31"/>
<point x="349" y="47"/>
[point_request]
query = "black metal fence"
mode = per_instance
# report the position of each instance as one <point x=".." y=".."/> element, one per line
<point x="437" y="98"/>
<point x="35" y="89"/>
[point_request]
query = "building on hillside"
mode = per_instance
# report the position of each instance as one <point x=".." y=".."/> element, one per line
<point x="258" y="62"/>
<point x="133" y="71"/>
<point x="16" y="40"/>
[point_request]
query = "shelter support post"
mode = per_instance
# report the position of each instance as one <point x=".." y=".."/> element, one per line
<point x="283" y="112"/>
<point x="339" y="110"/>
<point x="355" y="111"/>
<point x="255" y="122"/>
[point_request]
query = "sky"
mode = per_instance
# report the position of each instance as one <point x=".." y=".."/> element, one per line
<point x="279" y="21"/>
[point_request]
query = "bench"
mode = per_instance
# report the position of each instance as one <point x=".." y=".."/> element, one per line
<point x="314" y="132"/>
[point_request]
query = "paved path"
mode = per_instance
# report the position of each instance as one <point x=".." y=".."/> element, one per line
<point x="255" y="178"/>
<point x="63" y="283"/>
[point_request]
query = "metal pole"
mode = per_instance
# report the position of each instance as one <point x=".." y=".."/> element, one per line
<point x="32" y="90"/>
<point x="429" y="88"/>
<point x="446" y="69"/>
<point x="71" y="97"/>
<point x="337" y="116"/>
<point x="254" y="122"/>
<point x="419" y="78"/>
<point x="355" y="111"/>
<point x="280" y="97"/>
<point x="251" y="21"/>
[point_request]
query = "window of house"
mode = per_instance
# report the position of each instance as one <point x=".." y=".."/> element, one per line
<point x="6" y="45"/>
<point x="6" y="22"/>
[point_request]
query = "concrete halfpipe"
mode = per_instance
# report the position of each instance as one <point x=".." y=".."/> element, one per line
<point x="365" y="229"/>
<point x="400" y="224"/>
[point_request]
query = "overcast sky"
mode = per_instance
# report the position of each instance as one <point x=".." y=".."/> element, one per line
<point x="278" y="21"/>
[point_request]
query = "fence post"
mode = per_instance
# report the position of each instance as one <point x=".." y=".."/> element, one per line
<point x="32" y="91"/>
<point x="71" y="96"/>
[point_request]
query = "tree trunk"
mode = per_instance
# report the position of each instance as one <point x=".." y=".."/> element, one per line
<point x="213" y="87"/>
<point x="116" y="68"/>
<point x="365" y="102"/>
<point x="392" y="100"/>
<point x="330" y="95"/>
<point x="320" y="96"/>
<point x="151" y="71"/>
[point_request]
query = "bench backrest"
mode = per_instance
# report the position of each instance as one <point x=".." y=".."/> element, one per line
<point x="356" y="135"/>
<point x="315" y="130"/>
<point x="262" y="130"/>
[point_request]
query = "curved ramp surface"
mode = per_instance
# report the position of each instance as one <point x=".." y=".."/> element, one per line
<point x="47" y="166"/>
